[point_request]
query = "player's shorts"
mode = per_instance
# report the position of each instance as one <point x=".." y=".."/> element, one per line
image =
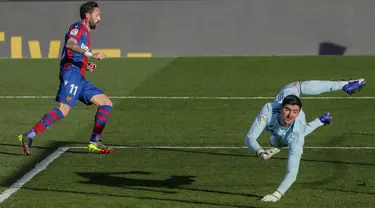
<point x="74" y="87"/>
<point x="293" y="88"/>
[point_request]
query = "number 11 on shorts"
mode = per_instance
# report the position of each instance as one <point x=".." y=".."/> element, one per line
<point x="73" y="89"/>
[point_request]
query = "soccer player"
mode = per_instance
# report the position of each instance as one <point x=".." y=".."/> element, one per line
<point x="73" y="85"/>
<point x="285" y="120"/>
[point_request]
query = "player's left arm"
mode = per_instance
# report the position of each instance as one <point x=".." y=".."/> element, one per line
<point x="294" y="158"/>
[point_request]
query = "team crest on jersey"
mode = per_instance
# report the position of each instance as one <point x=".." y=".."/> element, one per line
<point x="74" y="32"/>
<point x="262" y="119"/>
<point x="68" y="98"/>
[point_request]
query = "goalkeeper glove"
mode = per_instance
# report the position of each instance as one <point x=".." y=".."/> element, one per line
<point x="268" y="153"/>
<point x="326" y="119"/>
<point x="274" y="197"/>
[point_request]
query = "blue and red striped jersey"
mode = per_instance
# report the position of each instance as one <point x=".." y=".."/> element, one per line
<point x="70" y="59"/>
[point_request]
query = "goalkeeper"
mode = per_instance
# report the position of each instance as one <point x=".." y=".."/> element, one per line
<point x="285" y="120"/>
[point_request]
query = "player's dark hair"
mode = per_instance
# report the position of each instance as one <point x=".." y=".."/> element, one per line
<point x="292" y="100"/>
<point x="87" y="7"/>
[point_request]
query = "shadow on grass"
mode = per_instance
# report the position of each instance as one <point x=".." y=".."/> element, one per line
<point x="197" y="202"/>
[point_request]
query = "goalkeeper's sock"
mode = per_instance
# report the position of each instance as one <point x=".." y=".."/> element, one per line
<point x="101" y="117"/>
<point x="45" y="122"/>
<point x="316" y="87"/>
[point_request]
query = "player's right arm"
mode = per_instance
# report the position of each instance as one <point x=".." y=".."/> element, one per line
<point x="257" y="128"/>
<point x="75" y="33"/>
<point x="72" y="44"/>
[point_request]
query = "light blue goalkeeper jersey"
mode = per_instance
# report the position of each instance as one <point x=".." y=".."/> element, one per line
<point x="268" y="119"/>
<point x="292" y="136"/>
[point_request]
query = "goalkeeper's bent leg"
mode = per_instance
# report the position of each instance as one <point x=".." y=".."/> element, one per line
<point x="316" y="87"/>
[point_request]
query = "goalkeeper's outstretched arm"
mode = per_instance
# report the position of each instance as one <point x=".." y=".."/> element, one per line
<point x="291" y="172"/>
<point x="294" y="158"/>
<point x="295" y="151"/>
<point x="289" y="179"/>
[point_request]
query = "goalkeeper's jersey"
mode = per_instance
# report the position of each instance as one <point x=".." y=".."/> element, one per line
<point x="292" y="136"/>
<point x="268" y="119"/>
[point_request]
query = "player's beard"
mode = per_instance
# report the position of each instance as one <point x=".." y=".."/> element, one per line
<point x="92" y="25"/>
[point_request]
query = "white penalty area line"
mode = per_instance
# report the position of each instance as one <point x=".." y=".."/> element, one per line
<point x="221" y="147"/>
<point x="38" y="168"/>
<point x="56" y="154"/>
<point x="193" y="97"/>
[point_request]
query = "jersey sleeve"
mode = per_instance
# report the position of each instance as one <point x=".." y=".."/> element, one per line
<point x="76" y="31"/>
<point x="294" y="159"/>
<point x="295" y="152"/>
<point x="257" y="127"/>
<point x="297" y="140"/>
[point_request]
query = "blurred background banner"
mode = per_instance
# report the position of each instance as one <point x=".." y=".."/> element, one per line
<point x="35" y="29"/>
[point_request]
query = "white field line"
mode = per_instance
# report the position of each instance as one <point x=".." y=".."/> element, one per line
<point x="221" y="147"/>
<point x="38" y="168"/>
<point x="44" y="164"/>
<point x="192" y="97"/>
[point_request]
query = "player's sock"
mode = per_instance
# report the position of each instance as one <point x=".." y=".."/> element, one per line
<point x="47" y="120"/>
<point x="101" y="117"/>
<point x="316" y="87"/>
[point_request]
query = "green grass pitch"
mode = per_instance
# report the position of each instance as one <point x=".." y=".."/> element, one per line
<point x="187" y="177"/>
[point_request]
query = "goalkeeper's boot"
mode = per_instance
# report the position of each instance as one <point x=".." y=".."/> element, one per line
<point x="326" y="119"/>
<point x="354" y="86"/>
<point x="99" y="147"/>
<point x="25" y="143"/>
